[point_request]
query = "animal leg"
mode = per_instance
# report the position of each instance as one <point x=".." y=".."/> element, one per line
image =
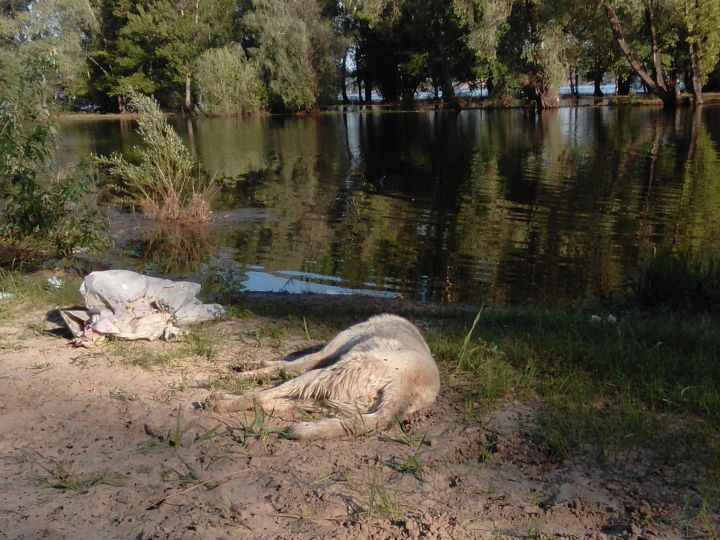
<point x="305" y="363"/>
<point x="330" y="428"/>
<point x="277" y="398"/>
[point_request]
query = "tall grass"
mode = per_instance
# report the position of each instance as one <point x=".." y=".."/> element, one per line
<point x="640" y="384"/>
<point x="677" y="281"/>
<point x="163" y="178"/>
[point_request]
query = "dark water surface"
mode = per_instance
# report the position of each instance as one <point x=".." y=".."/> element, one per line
<point x="501" y="207"/>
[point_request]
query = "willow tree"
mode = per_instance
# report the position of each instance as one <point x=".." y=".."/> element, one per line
<point x="520" y="45"/>
<point x="296" y="50"/>
<point x="657" y="21"/>
<point x="701" y="19"/>
<point x="485" y="22"/>
<point x="57" y="28"/>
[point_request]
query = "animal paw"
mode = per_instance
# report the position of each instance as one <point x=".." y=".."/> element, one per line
<point x="227" y="403"/>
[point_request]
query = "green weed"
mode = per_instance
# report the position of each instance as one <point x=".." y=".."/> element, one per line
<point x="637" y="384"/>
<point x="381" y="502"/>
<point x="229" y="383"/>
<point x="202" y="345"/>
<point x="258" y="428"/>
<point x="62" y="479"/>
<point x="412" y="464"/>
<point x="139" y="356"/>
<point x="174" y="439"/>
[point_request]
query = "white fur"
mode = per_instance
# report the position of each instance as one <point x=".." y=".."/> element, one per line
<point x="369" y="373"/>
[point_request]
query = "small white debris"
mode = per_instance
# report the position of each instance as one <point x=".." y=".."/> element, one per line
<point x="54" y="282"/>
<point x="6" y="295"/>
<point x="610" y="319"/>
<point x="495" y="351"/>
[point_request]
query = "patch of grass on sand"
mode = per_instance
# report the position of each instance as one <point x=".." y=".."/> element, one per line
<point x="619" y="386"/>
<point x="137" y="355"/>
<point x="201" y="343"/>
<point x="229" y="383"/>
<point x="19" y="291"/>
<point x="381" y="502"/>
<point x="62" y="479"/>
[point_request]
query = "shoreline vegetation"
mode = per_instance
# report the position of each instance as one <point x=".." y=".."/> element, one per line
<point x="464" y="104"/>
<point x="230" y="57"/>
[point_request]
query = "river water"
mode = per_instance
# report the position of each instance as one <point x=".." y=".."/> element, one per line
<point x="497" y="207"/>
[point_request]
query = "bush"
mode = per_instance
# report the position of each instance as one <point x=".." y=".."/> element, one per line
<point x="54" y="212"/>
<point x="163" y="178"/>
<point x="228" y="83"/>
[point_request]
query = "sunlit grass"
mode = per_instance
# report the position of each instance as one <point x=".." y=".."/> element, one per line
<point x="19" y="292"/>
<point x="614" y="389"/>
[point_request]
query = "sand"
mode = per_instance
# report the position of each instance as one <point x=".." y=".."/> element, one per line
<point x="91" y="447"/>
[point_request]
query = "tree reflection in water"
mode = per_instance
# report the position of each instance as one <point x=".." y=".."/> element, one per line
<point x="503" y="207"/>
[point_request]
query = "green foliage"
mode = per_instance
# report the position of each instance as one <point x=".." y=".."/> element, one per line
<point x="614" y="389"/>
<point x="702" y="20"/>
<point x="29" y="291"/>
<point x="43" y="209"/>
<point x="300" y="49"/>
<point x="228" y="83"/>
<point x="295" y="51"/>
<point x="152" y="45"/>
<point x="163" y="177"/>
<point x="60" y="28"/>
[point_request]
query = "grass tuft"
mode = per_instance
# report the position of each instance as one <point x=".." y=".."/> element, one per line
<point x="381" y="502"/>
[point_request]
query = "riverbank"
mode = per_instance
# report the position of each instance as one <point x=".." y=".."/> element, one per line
<point x="549" y="424"/>
<point x="711" y="98"/>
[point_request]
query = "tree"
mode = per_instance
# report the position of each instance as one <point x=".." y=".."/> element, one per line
<point x="44" y="208"/>
<point x="531" y="52"/>
<point x="60" y="28"/>
<point x="701" y="19"/>
<point x="117" y="63"/>
<point x="297" y="52"/>
<point x="174" y="33"/>
<point x="228" y="83"/>
<point x="655" y="18"/>
<point x="485" y="22"/>
<point x="444" y="44"/>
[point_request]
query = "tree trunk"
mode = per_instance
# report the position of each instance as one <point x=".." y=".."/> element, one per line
<point x="122" y="106"/>
<point x="597" y="92"/>
<point x="408" y="97"/>
<point x="624" y="86"/>
<point x="448" y="90"/>
<point x="343" y="79"/>
<point x="549" y="100"/>
<point x="696" y="74"/>
<point x="658" y="85"/>
<point x="577" y="86"/>
<point x="657" y="69"/>
<point x="188" y="92"/>
<point x="358" y="73"/>
<point x="368" y="90"/>
<point x="572" y="83"/>
<point x="543" y="98"/>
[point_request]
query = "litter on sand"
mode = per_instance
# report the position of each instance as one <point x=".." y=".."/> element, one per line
<point x="128" y="305"/>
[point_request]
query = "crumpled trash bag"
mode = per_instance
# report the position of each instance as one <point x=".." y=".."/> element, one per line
<point x="129" y="305"/>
